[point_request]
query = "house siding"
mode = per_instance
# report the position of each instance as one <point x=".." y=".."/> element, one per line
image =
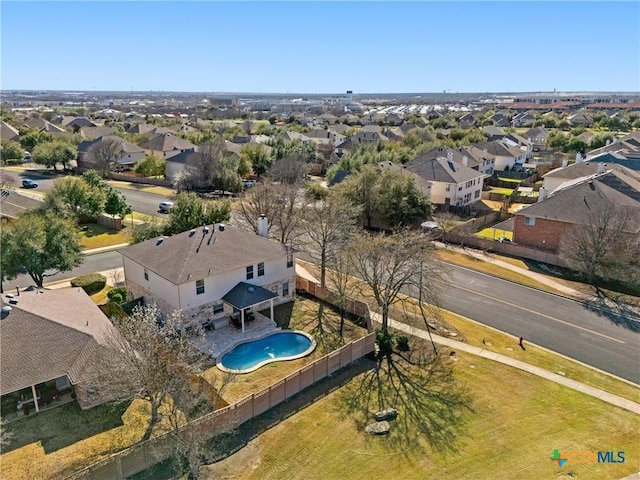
<point x="545" y="234"/>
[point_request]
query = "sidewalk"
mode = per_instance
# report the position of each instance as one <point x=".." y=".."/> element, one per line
<point x="554" y="377"/>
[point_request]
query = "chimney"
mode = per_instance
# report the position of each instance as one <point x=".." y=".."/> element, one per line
<point x="542" y="194"/>
<point x="465" y="160"/>
<point x="565" y="162"/>
<point x="263" y="226"/>
<point x="601" y="168"/>
<point x="449" y="156"/>
<point x="17" y="290"/>
<point x="578" y="157"/>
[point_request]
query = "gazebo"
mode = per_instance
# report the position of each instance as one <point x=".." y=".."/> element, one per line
<point x="244" y="295"/>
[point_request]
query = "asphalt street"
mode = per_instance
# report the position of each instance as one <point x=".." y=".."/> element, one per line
<point x="605" y="341"/>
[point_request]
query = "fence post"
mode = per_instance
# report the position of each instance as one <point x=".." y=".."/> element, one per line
<point x="119" y="467"/>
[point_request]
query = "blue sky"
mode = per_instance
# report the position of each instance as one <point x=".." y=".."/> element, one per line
<point x="321" y="47"/>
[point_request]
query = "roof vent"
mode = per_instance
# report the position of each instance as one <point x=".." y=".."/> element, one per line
<point x="221" y="227"/>
<point x="159" y="241"/>
<point x="250" y="289"/>
<point x="6" y="310"/>
<point x="9" y="295"/>
<point x="205" y="230"/>
<point x="192" y="233"/>
<point x="13" y="301"/>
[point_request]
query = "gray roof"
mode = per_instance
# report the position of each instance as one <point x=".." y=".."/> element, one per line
<point x="48" y="335"/>
<point x="8" y="132"/>
<point x="245" y="295"/>
<point x="163" y="142"/>
<point x="496" y="147"/>
<point x="186" y="257"/>
<point x="439" y="169"/>
<point x="577" y="203"/>
<point x="580" y="169"/>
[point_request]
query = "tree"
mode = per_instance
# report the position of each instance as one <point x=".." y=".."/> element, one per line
<point x="152" y="359"/>
<point x="341" y="284"/>
<point x="390" y="266"/>
<point x="400" y="201"/>
<point x="151" y="166"/>
<point x="50" y="154"/>
<point x="73" y="197"/>
<point x="94" y="179"/>
<point x="116" y="204"/>
<point x="30" y="137"/>
<point x="43" y="246"/>
<point x="290" y="169"/>
<point x="190" y="211"/>
<point x="606" y="245"/>
<point x="105" y="152"/>
<point x="360" y="190"/>
<point x="257" y="157"/>
<point x="10" y="150"/>
<point x="328" y="225"/>
<point x="280" y="203"/>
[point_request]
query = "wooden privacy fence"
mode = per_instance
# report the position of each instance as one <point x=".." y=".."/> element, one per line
<point x="162" y="182"/>
<point x="146" y="454"/>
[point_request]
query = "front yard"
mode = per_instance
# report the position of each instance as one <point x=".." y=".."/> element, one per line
<point x="98" y="236"/>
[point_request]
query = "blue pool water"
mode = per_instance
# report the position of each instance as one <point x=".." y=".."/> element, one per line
<point x="279" y="346"/>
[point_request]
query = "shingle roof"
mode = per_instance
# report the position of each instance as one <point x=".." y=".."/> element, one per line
<point x="186" y="257"/>
<point x="44" y="335"/>
<point x="163" y="142"/>
<point x="8" y="132"/>
<point x="439" y="169"/>
<point x="577" y="203"/>
<point x="245" y="295"/>
<point x="498" y="148"/>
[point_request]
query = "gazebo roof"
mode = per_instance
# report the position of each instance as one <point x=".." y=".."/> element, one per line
<point x="245" y="295"/>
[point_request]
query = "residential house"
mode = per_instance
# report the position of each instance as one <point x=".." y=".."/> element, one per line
<point x="43" y="126"/>
<point x="166" y="144"/>
<point x="523" y="119"/>
<point x="468" y="156"/>
<point x="210" y="272"/>
<point x="580" y="119"/>
<point x="13" y="204"/>
<point x="467" y="121"/>
<point x="586" y="137"/>
<point x="500" y="120"/>
<point x="51" y="340"/>
<point x="538" y="136"/>
<point x="86" y="149"/>
<point x="560" y="177"/>
<point x="543" y="225"/>
<point x="89" y="133"/>
<point x="451" y="183"/>
<point x="8" y="132"/>
<point x="506" y="155"/>
<point x="423" y="185"/>
<point x="493" y="132"/>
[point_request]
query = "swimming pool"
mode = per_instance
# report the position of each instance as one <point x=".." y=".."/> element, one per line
<point x="249" y="356"/>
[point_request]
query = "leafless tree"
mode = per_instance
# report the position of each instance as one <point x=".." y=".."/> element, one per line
<point x="290" y="170"/>
<point x="247" y="127"/>
<point x="152" y="358"/>
<point x="105" y="153"/>
<point x="606" y="245"/>
<point x="282" y="205"/>
<point x="447" y="221"/>
<point x="341" y="284"/>
<point x="201" y="167"/>
<point x="328" y="225"/>
<point x="395" y="266"/>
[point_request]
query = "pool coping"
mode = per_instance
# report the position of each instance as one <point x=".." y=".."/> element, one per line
<point x="307" y="352"/>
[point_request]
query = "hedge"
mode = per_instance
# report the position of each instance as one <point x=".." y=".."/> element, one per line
<point x="90" y="283"/>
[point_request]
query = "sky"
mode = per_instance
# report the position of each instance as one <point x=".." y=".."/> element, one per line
<point x="320" y="47"/>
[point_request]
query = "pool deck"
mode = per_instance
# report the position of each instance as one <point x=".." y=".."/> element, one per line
<point x="219" y="341"/>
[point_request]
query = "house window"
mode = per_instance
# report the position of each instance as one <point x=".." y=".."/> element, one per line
<point x="447" y="188"/>
<point x="249" y="272"/>
<point x="477" y="194"/>
<point x="530" y="221"/>
<point x="289" y="260"/>
<point x="274" y="289"/>
<point x="146" y="275"/>
<point x="218" y="308"/>
<point x="199" y="287"/>
<point x="261" y="269"/>
<point x="285" y="289"/>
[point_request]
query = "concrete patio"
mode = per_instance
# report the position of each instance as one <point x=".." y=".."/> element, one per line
<point x="219" y="341"/>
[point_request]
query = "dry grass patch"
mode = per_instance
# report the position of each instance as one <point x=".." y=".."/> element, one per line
<point x="98" y="236"/>
<point x="141" y="187"/>
<point x="516" y="421"/>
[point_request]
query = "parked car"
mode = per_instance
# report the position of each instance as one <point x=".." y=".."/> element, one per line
<point x="248" y="183"/>
<point x="166" y="207"/>
<point x="28" y="183"/>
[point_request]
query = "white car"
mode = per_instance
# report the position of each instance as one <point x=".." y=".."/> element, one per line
<point x="166" y="207"/>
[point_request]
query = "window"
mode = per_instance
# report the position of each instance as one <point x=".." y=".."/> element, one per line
<point x="530" y="221"/>
<point x="477" y="194"/>
<point x="285" y="289"/>
<point x="218" y="308"/>
<point x="447" y="188"/>
<point x="261" y="269"/>
<point x="146" y="275"/>
<point x="289" y="260"/>
<point x="199" y="287"/>
<point x="249" y="272"/>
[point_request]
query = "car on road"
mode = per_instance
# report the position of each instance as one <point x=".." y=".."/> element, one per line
<point x="165" y="207"/>
<point x="28" y="183"/>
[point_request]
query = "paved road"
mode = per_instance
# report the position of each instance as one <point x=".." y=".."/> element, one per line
<point x="142" y="202"/>
<point x="554" y="322"/>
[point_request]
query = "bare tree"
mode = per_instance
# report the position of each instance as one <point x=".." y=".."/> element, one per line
<point x="341" y="283"/>
<point x="290" y="170"/>
<point x="247" y="127"/>
<point x="606" y="245"/>
<point x="395" y="266"/>
<point x="201" y="166"/>
<point x="151" y="358"/>
<point x="282" y="205"/>
<point x="447" y="221"/>
<point x="328" y="225"/>
<point x="105" y="153"/>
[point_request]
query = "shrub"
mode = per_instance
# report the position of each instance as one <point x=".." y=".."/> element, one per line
<point x="402" y="342"/>
<point x="385" y="342"/>
<point x="118" y="294"/>
<point x="91" y="283"/>
<point x="315" y="191"/>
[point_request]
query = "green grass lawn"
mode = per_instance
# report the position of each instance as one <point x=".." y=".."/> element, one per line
<point x="494" y="234"/>
<point x="514" y="423"/>
<point x="502" y="191"/>
<point x="510" y="180"/>
<point x="97" y="236"/>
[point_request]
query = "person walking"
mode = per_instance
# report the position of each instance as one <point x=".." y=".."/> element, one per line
<point x="520" y="340"/>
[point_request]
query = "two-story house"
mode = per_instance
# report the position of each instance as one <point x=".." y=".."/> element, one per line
<point x="211" y="272"/>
